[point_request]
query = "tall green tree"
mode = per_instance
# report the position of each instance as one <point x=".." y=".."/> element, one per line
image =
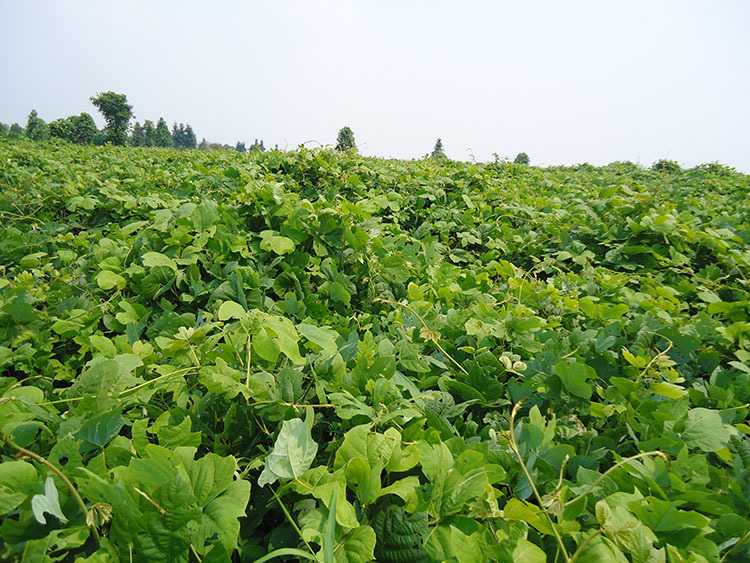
<point x="15" y="131"/>
<point x="521" y="158"/>
<point x="438" y="151"/>
<point x="190" y="142"/>
<point x="36" y="127"/>
<point x="183" y="136"/>
<point x="61" y="129"/>
<point x="162" y="136"/>
<point x="345" y="140"/>
<point x="138" y="136"/>
<point x="84" y="128"/>
<point x="149" y="133"/>
<point x="117" y="113"/>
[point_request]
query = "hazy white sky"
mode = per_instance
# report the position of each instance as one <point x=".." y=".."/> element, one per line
<point x="565" y="81"/>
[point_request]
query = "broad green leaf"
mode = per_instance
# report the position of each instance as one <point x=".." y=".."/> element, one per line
<point x="107" y="280"/>
<point x="518" y="510"/>
<point x="528" y="552"/>
<point x="226" y="510"/>
<point x="231" y="310"/>
<point x="705" y="430"/>
<point x="286" y="337"/>
<point x="153" y="259"/>
<point x="271" y="240"/>
<point x="357" y="546"/>
<point x="99" y="430"/>
<point x="373" y="448"/>
<point x="669" y="390"/>
<point x="292" y="453"/>
<point x="322" y="336"/>
<point x="400" y="535"/>
<point x="17" y="481"/>
<point x="573" y="375"/>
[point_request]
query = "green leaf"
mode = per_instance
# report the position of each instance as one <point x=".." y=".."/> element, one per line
<point x="231" y="310"/>
<point x="225" y="512"/>
<point x="153" y="259"/>
<point x="157" y="282"/>
<point x="99" y="430"/>
<point x="270" y="240"/>
<point x="17" y="480"/>
<point x="205" y="215"/>
<point x="286" y="337"/>
<point x="573" y="375"/>
<point x="374" y="448"/>
<point x="107" y="280"/>
<point x="358" y="546"/>
<point x="528" y="552"/>
<point x="223" y="379"/>
<point x="322" y="336"/>
<point x="293" y="452"/>
<point x="705" y="430"/>
<point x="48" y="503"/>
<point x="400" y="535"/>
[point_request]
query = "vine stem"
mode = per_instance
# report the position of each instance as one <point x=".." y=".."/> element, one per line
<point x="514" y="447"/>
<point x="613" y="468"/>
<point x="35" y="456"/>
<point x="408" y="308"/>
<point x="584" y="544"/>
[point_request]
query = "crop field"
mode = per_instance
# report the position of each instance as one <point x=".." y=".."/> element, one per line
<point x="309" y="355"/>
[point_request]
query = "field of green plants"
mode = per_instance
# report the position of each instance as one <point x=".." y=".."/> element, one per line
<point x="213" y="356"/>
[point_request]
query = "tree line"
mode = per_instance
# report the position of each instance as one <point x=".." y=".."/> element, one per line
<point x="117" y="113"/>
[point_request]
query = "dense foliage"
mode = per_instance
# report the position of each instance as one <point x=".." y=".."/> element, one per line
<point x="329" y="357"/>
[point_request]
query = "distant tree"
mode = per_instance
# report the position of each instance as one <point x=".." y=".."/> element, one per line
<point x="669" y="166"/>
<point x="257" y="146"/>
<point x="84" y="128"/>
<point x="203" y="145"/>
<point x="117" y="113"/>
<point x="162" y="136"/>
<point x="521" y="158"/>
<point x="15" y="131"/>
<point x="189" y="138"/>
<point x="183" y="136"/>
<point x="438" y="151"/>
<point x="61" y="129"/>
<point x="345" y="140"/>
<point x="149" y="133"/>
<point x="36" y="127"/>
<point x="4" y="129"/>
<point x="177" y="133"/>
<point x="240" y="147"/>
<point x="138" y="136"/>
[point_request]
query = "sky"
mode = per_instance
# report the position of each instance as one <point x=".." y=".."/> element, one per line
<point x="564" y="81"/>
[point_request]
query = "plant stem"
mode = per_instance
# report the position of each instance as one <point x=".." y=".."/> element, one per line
<point x="514" y="447"/>
<point x="613" y="468"/>
<point x="35" y="456"/>
<point x="428" y="328"/>
<point x="584" y="544"/>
